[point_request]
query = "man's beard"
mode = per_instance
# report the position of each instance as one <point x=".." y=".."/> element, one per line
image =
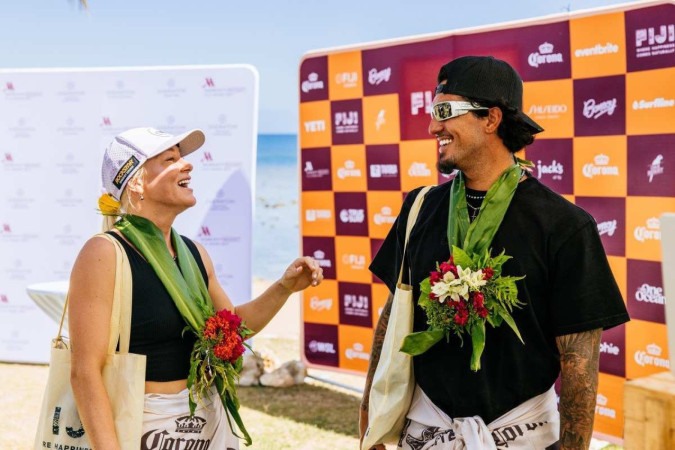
<point x="446" y="167"/>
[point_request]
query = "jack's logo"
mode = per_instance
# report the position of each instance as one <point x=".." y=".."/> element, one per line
<point x="555" y="169"/>
<point x="655" y="168"/>
<point x="544" y="56"/>
<point x="419" y="100"/>
<point x="190" y="424"/>
<point x="652" y="231"/>
<point x="209" y="83"/>
<point x="594" y="109"/>
<point x="106" y="122"/>
<point x="311" y="83"/>
<point x="600" y="167"/>
<point x="204" y="231"/>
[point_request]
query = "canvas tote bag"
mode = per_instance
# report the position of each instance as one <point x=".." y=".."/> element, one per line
<point x="393" y="383"/>
<point x="59" y="426"/>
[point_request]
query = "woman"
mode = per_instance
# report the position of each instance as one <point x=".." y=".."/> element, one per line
<point x="144" y="170"/>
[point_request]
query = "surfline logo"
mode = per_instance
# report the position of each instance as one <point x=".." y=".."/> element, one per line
<point x="376" y="77"/>
<point x="651" y="357"/>
<point x="600" y="167"/>
<point x="385" y="216"/>
<point x="320" y="257"/>
<point x="650" y="294"/>
<point x="349" y="170"/>
<point x="655" y="168"/>
<point x="597" y="49"/>
<point x="650" y="232"/>
<point x="312" y="83"/>
<point x="357" y="352"/>
<point x="544" y="56"/>
<point x="593" y="109"/>
<point x="658" y="102"/>
<point x="607" y="227"/>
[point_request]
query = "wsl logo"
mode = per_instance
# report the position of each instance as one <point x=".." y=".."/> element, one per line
<point x="321" y="347"/>
<point x="311" y="83"/>
<point x="655" y="168"/>
<point x="544" y="56"/>
<point x="650" y="232"/>
<point x="600" y="167"/>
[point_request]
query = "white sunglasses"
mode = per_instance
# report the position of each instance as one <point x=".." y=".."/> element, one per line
<point x="447" y="110"/>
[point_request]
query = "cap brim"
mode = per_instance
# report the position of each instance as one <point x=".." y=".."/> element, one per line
<point x="187" y="142"/>
<point x="534" y="126"/>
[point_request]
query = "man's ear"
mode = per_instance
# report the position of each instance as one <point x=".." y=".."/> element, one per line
<point x="494" y="118"/>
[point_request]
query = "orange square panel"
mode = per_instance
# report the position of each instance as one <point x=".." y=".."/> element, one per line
<point x="318" y="214"/>
<point x="600" y="166"/>
<point x="353" y="257"/>
<point x="344" y="75"/>
<point x="650" y="102"/>
<point x="320" y="304"/>
<point x="315" y="124"/>
<point x="597" y="45"/>
<point x="646" y="348"/>
<point x="383" y="208"/>
<point x="349" y="168"/>
<point x="550" y="104"/>
<point x="380" y="119"/>
<point x="609" y="405"/>
<point x="418" y="163"/>
<point x="643" y="227"/>
<point x="355" y="344"/>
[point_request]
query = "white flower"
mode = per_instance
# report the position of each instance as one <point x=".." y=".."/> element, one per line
<point x="474" y="280"/>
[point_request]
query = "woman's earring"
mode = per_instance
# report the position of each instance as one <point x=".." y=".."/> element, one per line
<point x="142" y="198"/>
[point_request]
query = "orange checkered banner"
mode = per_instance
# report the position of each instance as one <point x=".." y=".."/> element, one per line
<point x="602" y="84"/>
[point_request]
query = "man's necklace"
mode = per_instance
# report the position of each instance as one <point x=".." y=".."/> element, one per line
<point x="473" y="202"/>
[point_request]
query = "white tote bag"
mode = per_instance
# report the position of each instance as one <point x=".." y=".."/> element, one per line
<point x="59" y="426"/>
<point x="393" y="383"/>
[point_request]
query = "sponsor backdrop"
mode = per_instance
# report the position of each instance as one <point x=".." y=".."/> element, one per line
<point x="600" y="82"/>
<point x="55" y="125"/>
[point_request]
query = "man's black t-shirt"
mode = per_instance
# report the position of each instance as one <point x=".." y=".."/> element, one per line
<point x="568" y="288"/>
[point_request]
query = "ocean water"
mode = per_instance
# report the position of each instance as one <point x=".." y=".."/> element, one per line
<point x="276" y="231"/>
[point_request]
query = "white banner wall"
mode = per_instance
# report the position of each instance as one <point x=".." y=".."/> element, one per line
<point x="54" y="125"/>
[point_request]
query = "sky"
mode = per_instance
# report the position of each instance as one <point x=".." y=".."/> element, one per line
<point x="271" y="35"/>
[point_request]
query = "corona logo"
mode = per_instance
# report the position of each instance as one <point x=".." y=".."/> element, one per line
<point x="654" y="350"/>
<point x="190" y="424"/>
<point x="319" y="254"/>
<point x="601" y="400"/>
<point x="311" y="83"/>
<point x="600" y="167"/>
<point x="385" y="216"/>
<point x="419" y="100"/>
<point x="652" y="231"/>
<point x="349" y="170"/>
<point x="602" y="409"/>
<point x="544" y="56"/>
<point x="356" y="352"/>
<point x="546" y="48"/>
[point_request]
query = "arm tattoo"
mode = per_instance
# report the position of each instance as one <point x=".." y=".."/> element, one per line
<point x="579" y="359"/>
<point x="378" y="340"/>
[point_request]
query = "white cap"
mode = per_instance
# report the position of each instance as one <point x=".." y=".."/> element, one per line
<point x="129" y="150"/>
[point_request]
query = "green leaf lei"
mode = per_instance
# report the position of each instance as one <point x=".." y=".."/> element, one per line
<point x="468" y="290"/>
<point x="187" y="288"/>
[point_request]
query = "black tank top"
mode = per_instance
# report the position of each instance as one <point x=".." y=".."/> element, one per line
<point x="156" y="325"/>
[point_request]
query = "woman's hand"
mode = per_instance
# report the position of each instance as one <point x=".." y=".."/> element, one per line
<point x="302" y="273"/>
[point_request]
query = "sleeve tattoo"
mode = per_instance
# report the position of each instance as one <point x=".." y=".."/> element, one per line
<point x="378" y="340"/>
<point x="579" y="359"/>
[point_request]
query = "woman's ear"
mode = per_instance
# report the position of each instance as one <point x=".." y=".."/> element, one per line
<point x="494" y="118"/>
<point x="135" y="184"/>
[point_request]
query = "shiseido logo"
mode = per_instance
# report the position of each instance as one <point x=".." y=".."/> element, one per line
<point x="609" y="348"/>
<point x="419" y="169"/>
<point x="650" y="294"/>
<point x="355" y="261"/>
<point x="347" y="79"/>
<point x="652" y="357"/>
<point x="376" y="77"/>
<point x="315" y="126"/>
<point x="600" y="167"/>
<point x="311" y="83"/>
<point x="313" y="215"/>
<point x="311" y="172"/>
<point x="380" y="120"/>
<point x="555" y="169"/>
<point x="346" y="122"/>
<point x="349" y="170"/>
<point x="383" y="170"/>
<point x="419" y="100"/>
<point x="319" y="256"/>
<point x="655" y="35"/>
<point x="658" y="102"/>
<point x="208" y="83"/>
<point x="190" y="424"/>
<point x="352" y="215"/>
<point x="608" y="227"/>
<point x="650" y="232"/>
<point x="593" y="109"/>
<point x="319" y="304"/>
<point x="384" y="216"/>
<point x="321" y="347"/>
<point x="544" y="56"/>
<point x="356" y="352"/>
<point x="547" y="110"/>
<point x="655" y="168"/>
<point x="598" y="49"/>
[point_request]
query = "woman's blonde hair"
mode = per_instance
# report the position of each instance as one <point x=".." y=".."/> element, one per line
<point x="125" y="205"/>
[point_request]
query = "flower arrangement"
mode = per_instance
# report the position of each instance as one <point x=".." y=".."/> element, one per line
<point x="460" y="296"/>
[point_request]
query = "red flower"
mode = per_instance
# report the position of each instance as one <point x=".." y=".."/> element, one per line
<point x="462" y="317"/>
<point x="223" y="328"/>
<point x="488" y="273"/>
<point x="432" y="296"/>
<point x="435" y="277"/>
<point x="446" y="267"/>
<point x="478" y="300"/>
<point x="482" y="312"/>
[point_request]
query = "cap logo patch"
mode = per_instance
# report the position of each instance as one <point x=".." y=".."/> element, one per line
<point x="124" y="171"/>
<point x="159" y="133"/>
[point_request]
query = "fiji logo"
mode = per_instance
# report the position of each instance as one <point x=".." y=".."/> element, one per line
<point x="204" y="231"/>
<point x="665" y="33"/>
<point x="209" y="83"/>
<point x="419" y="100"/>
<point x="106" y="122"/>
<point x="190" y="424"/>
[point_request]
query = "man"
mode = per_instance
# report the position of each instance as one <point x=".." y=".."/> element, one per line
<point x="569" y="294"/>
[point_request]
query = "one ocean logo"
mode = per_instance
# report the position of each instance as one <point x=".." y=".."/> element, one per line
<point x="650" y="294"/>
<point x="419" y="169"/>
<point x="655" y="168"/>
<point x="376" y="77"/>
<point x="311" y="83"/>
<point x="600" y="167"/>
<point x="555" y="169"/>
<point x="594" y="109"/>
<point x="650" y="232"/>
<point x="544" y="56"/>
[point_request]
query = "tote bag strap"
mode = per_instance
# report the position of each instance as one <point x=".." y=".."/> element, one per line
<point x="120" y="317"/>
<point x="412" y="218"/>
